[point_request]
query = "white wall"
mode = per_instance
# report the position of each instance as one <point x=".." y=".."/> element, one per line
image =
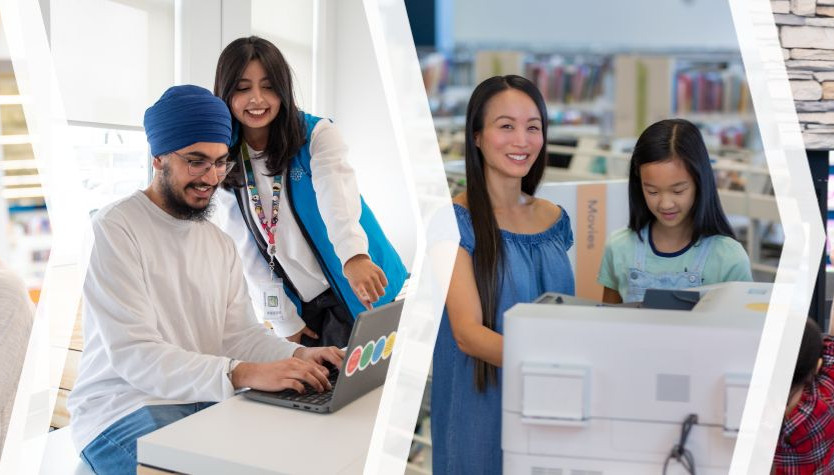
<point x="198" y="34"/>
<point x="595" y="24"/>
<point x="359" y="109"/>
<point x="289" y="25"/>
<point x="4" y="48"/>
<point x="112" y="58"/>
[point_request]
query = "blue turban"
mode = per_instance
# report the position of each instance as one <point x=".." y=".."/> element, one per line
<point x="186" y="115"/>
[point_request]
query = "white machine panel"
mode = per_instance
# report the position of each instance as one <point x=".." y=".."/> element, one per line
<point x="554" y="395"/>
<point x="615" y="384"/>
<point x="735" y="387"/>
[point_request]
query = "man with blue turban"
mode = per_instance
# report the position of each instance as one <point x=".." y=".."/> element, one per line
<point x="169" y="327"/>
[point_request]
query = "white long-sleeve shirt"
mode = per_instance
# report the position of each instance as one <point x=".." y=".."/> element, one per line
<point x="339" y="204"/>
<point x="16" y="316"/>
<point x="165" y="308"/>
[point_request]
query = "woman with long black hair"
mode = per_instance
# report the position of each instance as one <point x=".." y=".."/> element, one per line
<point x="314" y="255"/>
<point x="513" y="248"/>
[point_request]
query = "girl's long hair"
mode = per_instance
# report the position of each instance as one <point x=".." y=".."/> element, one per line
<point x="286" y="132"/>
<point x="489" y="251"/>
<point x="680" y="139"/>
<point x="810" y="351"/>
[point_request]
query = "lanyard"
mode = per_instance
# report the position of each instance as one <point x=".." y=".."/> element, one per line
<point x="269" y="226"/>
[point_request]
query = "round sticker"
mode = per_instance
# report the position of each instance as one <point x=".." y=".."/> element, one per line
<point x="380" y="345"/>
<point x="366" y="355"/>
<point x="353" y="360"/>
<point x="389" y="345"/>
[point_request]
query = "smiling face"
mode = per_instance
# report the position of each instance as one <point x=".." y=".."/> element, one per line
<point x="182" y="195"/>
<point x="512" y="137"/>
<point x="669" y="191"/>
<point x="254" y="102"/>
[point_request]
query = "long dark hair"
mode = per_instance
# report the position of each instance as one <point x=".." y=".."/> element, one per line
<point x="810" y="351"/>
<point x="286" y="132"/>
<point x="488" y="255"/>
<point x="666" y="140"/>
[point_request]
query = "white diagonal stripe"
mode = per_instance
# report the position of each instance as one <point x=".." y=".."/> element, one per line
<point x="436" y="251"/>
<point x="23" y="26"/>
<point x="804" y="237"/>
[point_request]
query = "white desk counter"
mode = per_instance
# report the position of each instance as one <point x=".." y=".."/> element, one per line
<point x="246" y="437"/>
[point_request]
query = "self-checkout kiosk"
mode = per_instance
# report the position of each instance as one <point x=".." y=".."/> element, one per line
<point x="606" y="389"/>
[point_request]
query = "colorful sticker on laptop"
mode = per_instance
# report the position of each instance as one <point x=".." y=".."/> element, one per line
<point x="372" y="353"/>
<point x="389" y="345"/>
<point x="378" y="347"/>
<point x="367" y="352"/>
<point x="353" y="361"/>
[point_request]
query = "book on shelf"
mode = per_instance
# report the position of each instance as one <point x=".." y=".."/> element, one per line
<point x="566" y="83"/>
<point x="709" y="90"/>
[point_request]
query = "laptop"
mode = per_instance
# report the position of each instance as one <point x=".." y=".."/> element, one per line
<point x="363" y="369"/>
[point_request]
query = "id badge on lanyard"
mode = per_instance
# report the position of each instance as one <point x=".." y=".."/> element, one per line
<point x="272" y="289"/>
<point x="272" y="293"/>
<point x="272" y="301"/>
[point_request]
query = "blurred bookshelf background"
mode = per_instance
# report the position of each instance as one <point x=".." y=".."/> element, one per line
<point x="112" y="160"/>
<point x="26" y="239"/>
<point x="607" y="70"/>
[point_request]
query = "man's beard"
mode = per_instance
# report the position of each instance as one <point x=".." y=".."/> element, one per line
<point x="177" y="205"/>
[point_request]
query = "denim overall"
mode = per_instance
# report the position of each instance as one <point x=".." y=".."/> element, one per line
<point x="639" y="280"/>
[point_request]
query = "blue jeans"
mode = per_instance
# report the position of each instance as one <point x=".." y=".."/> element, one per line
<point x="114" y="450"/>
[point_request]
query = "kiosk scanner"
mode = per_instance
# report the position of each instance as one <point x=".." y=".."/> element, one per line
<point x="606" y="389"/>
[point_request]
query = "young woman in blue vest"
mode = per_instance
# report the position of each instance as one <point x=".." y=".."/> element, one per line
<point x="513" y="248"/>
<point x="293" y="207"/>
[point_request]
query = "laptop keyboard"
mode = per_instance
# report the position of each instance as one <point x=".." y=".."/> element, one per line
<point x="310" y="395"/>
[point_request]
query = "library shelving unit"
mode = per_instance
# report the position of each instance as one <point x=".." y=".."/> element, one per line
<point x="419" y="457"/>
<point x="608" y="96"/>
<point x="599" y="103"/>
<point x="572" y="85"/>
<point x="708" y="89"/>
<point x="27" y="238"/>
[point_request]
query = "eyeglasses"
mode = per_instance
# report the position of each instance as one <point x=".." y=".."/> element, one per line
<point x="200" y="167"/>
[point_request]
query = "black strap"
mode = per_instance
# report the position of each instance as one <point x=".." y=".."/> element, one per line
<point x="679" y="452"/>
<point x="242" y="198"/>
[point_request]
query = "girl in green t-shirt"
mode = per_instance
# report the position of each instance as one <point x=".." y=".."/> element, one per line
<point x="677" y="235"/>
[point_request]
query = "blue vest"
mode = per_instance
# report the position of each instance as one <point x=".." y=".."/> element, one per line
<point x="305" y="208"/>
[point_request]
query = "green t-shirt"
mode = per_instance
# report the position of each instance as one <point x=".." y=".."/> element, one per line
<point x="727" y="261"/>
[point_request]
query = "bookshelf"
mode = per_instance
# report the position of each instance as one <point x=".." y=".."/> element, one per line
<point x="711" y="92"/>
<point x="27" y="233"/>
<point x="711" y="88"/>
<point x="573" y="85"/>
<point x="598" y="104"/>
<point x="420" y="456"/>
<point x="113" y="162"/>
<point x="617" y="95"/>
